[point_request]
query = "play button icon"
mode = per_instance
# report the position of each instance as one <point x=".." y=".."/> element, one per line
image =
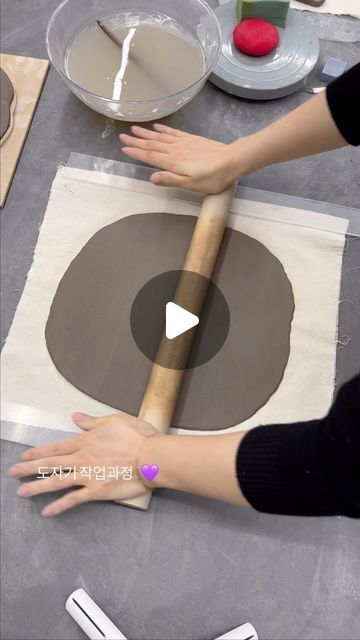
<point x="178" y="320"/>
<point x="168" y="325"/>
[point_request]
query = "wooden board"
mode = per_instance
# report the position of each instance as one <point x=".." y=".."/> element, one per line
<point x="28" y="76"/>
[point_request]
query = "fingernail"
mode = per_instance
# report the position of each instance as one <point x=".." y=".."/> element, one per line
<point x="79" y="416"/>
<point x="23" y="491"/>
<point x="25" y="455"/>
<point x="46" y="512"/>
<point x="14" y="471"/>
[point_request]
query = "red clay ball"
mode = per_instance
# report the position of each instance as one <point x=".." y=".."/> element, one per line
<point x="255" y="37"/>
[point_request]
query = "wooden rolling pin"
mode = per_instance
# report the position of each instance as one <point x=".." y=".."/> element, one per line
<point x="164" y="384"/>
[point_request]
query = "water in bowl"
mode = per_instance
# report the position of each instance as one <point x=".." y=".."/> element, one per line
<point x="156" y="58"/>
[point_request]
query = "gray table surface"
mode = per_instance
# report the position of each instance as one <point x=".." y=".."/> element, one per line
<point x="189" y="567"/>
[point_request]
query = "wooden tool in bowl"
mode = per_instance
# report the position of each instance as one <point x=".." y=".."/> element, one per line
<point x="141" y="63"/>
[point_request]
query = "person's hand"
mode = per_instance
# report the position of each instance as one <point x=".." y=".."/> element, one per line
<point x="110" y="442"/>
<point x="189" y="161"/>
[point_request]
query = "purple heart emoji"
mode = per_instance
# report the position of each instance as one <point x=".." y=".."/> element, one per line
<point x="150" y="472"/>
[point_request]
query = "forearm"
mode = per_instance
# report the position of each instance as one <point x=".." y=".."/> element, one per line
<point x="307" y="130"/>
<point x="305" y="468"/>
<point x="196" y="464"/>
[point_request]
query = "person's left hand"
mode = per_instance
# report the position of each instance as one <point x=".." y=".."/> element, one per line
<point x="109" y="442"/>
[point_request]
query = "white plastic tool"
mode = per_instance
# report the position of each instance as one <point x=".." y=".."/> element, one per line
<point x="244" y="632"/>
<point x="97" y="626"/>
<point x="91" y="618"/>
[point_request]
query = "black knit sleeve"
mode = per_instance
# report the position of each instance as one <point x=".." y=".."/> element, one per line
<point x="307" y="468"/>
<point x="343" y="97"/>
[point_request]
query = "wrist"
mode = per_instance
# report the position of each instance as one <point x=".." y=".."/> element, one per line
<point x="247" y="154"/>
<point x="150" y="453"/>
<point x="194" y="464"/>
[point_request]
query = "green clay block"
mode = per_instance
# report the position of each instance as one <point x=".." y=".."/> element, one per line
<point x="274" y="11"/>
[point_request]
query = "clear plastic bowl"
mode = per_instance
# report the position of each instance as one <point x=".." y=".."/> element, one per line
<point x="195" y="16"/>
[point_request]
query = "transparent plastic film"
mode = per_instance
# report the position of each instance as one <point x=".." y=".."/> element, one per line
<point x="108" y="167"/>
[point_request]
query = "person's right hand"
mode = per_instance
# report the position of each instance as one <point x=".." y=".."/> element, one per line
<point x="188" y="161"/>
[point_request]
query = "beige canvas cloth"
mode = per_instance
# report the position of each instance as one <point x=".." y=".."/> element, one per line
<point x="309" y="245"/>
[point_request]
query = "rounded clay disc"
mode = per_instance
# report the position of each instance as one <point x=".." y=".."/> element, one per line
<point x="89" y="337"/>
<point x="283" y="71"/>
<point x="8" y="100"/>
<point x="255" y="37"/>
